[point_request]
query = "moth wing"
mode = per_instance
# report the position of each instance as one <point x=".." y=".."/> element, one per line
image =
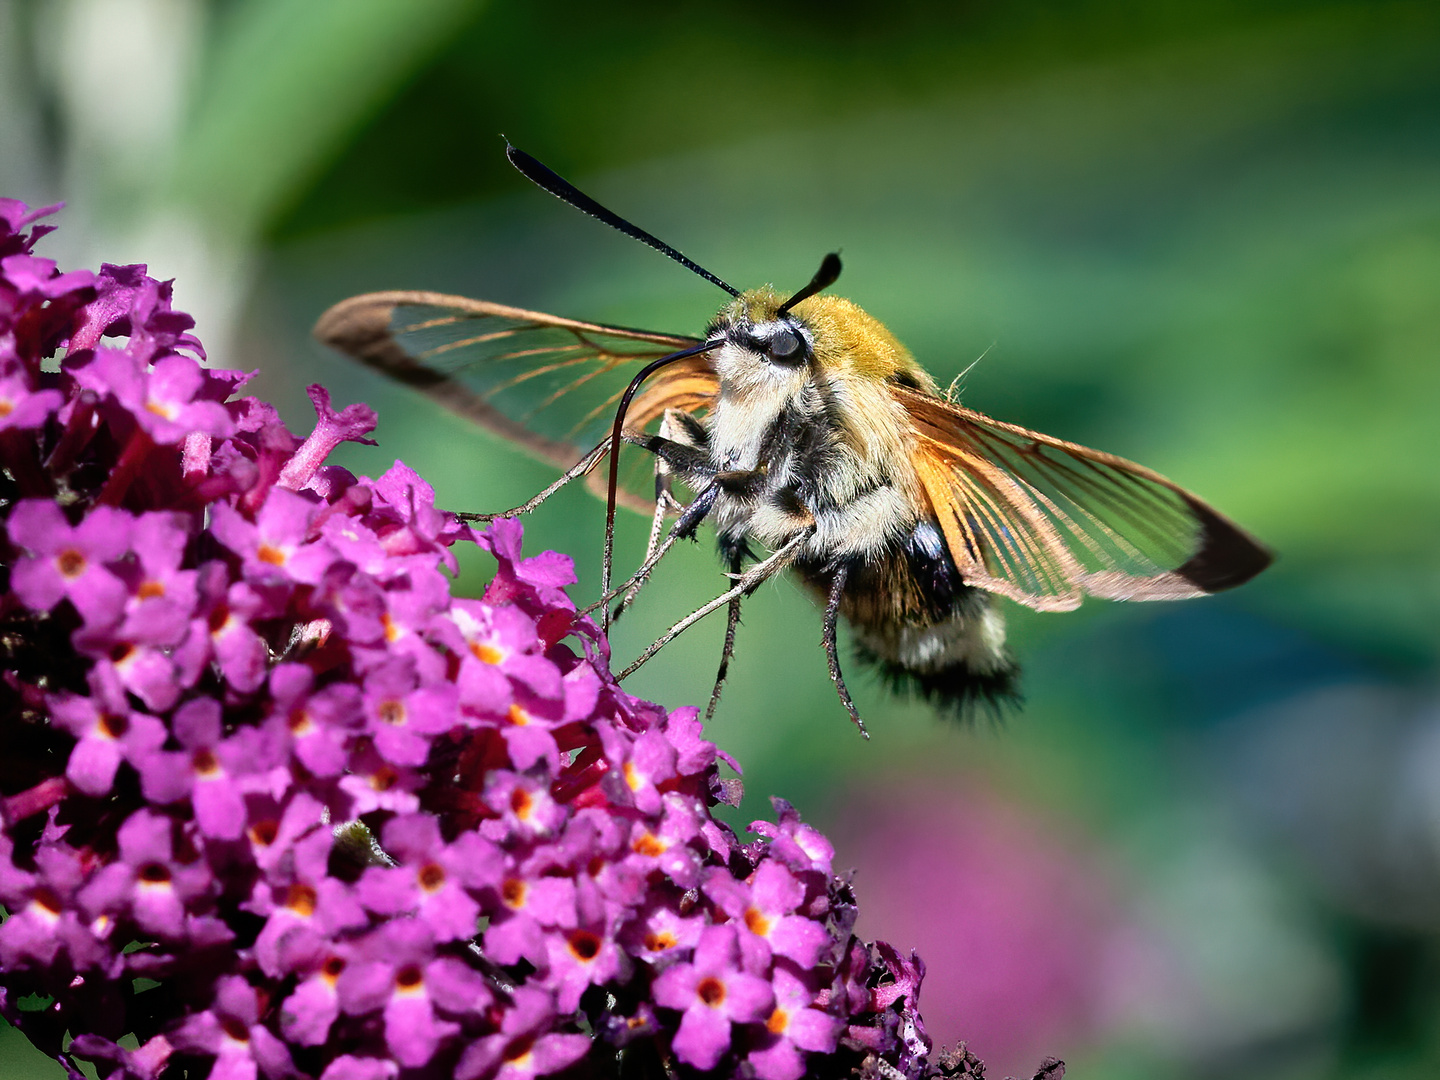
<point x="1045" y="522"/>
<point x="548" y="384"/>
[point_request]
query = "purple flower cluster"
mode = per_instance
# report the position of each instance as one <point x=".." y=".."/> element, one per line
<point x="276" y="804"/>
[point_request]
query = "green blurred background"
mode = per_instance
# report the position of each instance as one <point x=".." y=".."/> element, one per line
<point x="1202" y="235"/>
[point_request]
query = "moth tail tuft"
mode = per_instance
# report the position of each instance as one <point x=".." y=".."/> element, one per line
<point x="957" y="690"/>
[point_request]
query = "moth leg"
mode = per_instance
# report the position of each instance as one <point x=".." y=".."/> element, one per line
<point x="687" y="455"/>
<point x="675" y="429"/>
<point x="732" y="623"/>
<point x="682" y="444"/>
<point x="832" y="657"/>
<point x="747" y="582"/>
<point x="690" y="517"/>
<point x="579" y="469"/>
<point x="665" y="505"/>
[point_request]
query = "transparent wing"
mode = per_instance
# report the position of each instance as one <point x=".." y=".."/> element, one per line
<point x="1044" y="522"/>
<point x="549" y="384"/>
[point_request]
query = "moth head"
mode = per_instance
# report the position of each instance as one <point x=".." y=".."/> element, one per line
<point x="763" y="349"/>
<point x="771" y="346"/>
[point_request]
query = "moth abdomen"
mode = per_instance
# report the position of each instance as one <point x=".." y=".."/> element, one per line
<point x="921" y="627"/>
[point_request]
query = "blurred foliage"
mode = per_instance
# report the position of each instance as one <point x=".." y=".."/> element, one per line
<point x="1205" y="236"/>
<point x="287" y="83"/>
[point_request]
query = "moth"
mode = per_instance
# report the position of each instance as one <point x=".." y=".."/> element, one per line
<point x="813" y="442"/>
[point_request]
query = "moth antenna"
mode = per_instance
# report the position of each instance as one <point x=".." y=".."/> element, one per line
<point x="613" y="488"/>
<point x="545" y="177"/>
<point x="824" y="277"/>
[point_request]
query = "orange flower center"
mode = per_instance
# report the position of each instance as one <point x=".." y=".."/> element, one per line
<point x="711" y="991"/>
<point x="114" y="725"/>
<point x="584" y="945"/>
<point x="47" y="899"/>
<point x="265" y="832"/>
<point x="301" y="899"/>
<point x="520" y="1048"/>
<point x="71" y="563"/>
<point x="758" y="922"/>
<point x="633" y="780"/>
<point x="431" y="876"/>
<point x="513" y="893"/>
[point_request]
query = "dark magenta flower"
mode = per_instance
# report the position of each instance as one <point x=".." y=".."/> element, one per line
<point x="586" y="956"/>
<point x="713" y="993"/>
<point x="212" y="772"/>
<point x="273" y="545"/>
<point x="20" y="407"/>
<point x="661" y="934"/>
<point x="46" y="926"/>
<point x="434" y="881"/>
<point x="345" y="823"/>
<point x="316" y="723"/>
<point x="795" y="1026"/>
<point x="107" y="731"/>
<point x="307" y="913"/>
<point x="162" y="399"/>
<point x="154" y="883"/>
<point x="69" y="562"/>
<point x="230" y="1032"/>
<point x="397" y="973"/>
<point x="794" y="843"/>
<point x="34" y="278"/>
<point x="529" y="909"/>
<point x="403" y="712"/>
<point x="522" y="1047"/>
<point x="765" y="908"/>
<point x="163" y="596"/>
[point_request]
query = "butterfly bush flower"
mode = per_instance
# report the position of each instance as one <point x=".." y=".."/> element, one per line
<point x="340" y="822"/>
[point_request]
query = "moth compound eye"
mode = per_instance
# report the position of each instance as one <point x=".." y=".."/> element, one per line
<point x="785" y="347"/>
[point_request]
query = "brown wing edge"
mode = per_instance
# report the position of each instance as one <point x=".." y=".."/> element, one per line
<point x="470" y="306"/>
<point x="361" y="327"/>
<point x="1226" y="557"/>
